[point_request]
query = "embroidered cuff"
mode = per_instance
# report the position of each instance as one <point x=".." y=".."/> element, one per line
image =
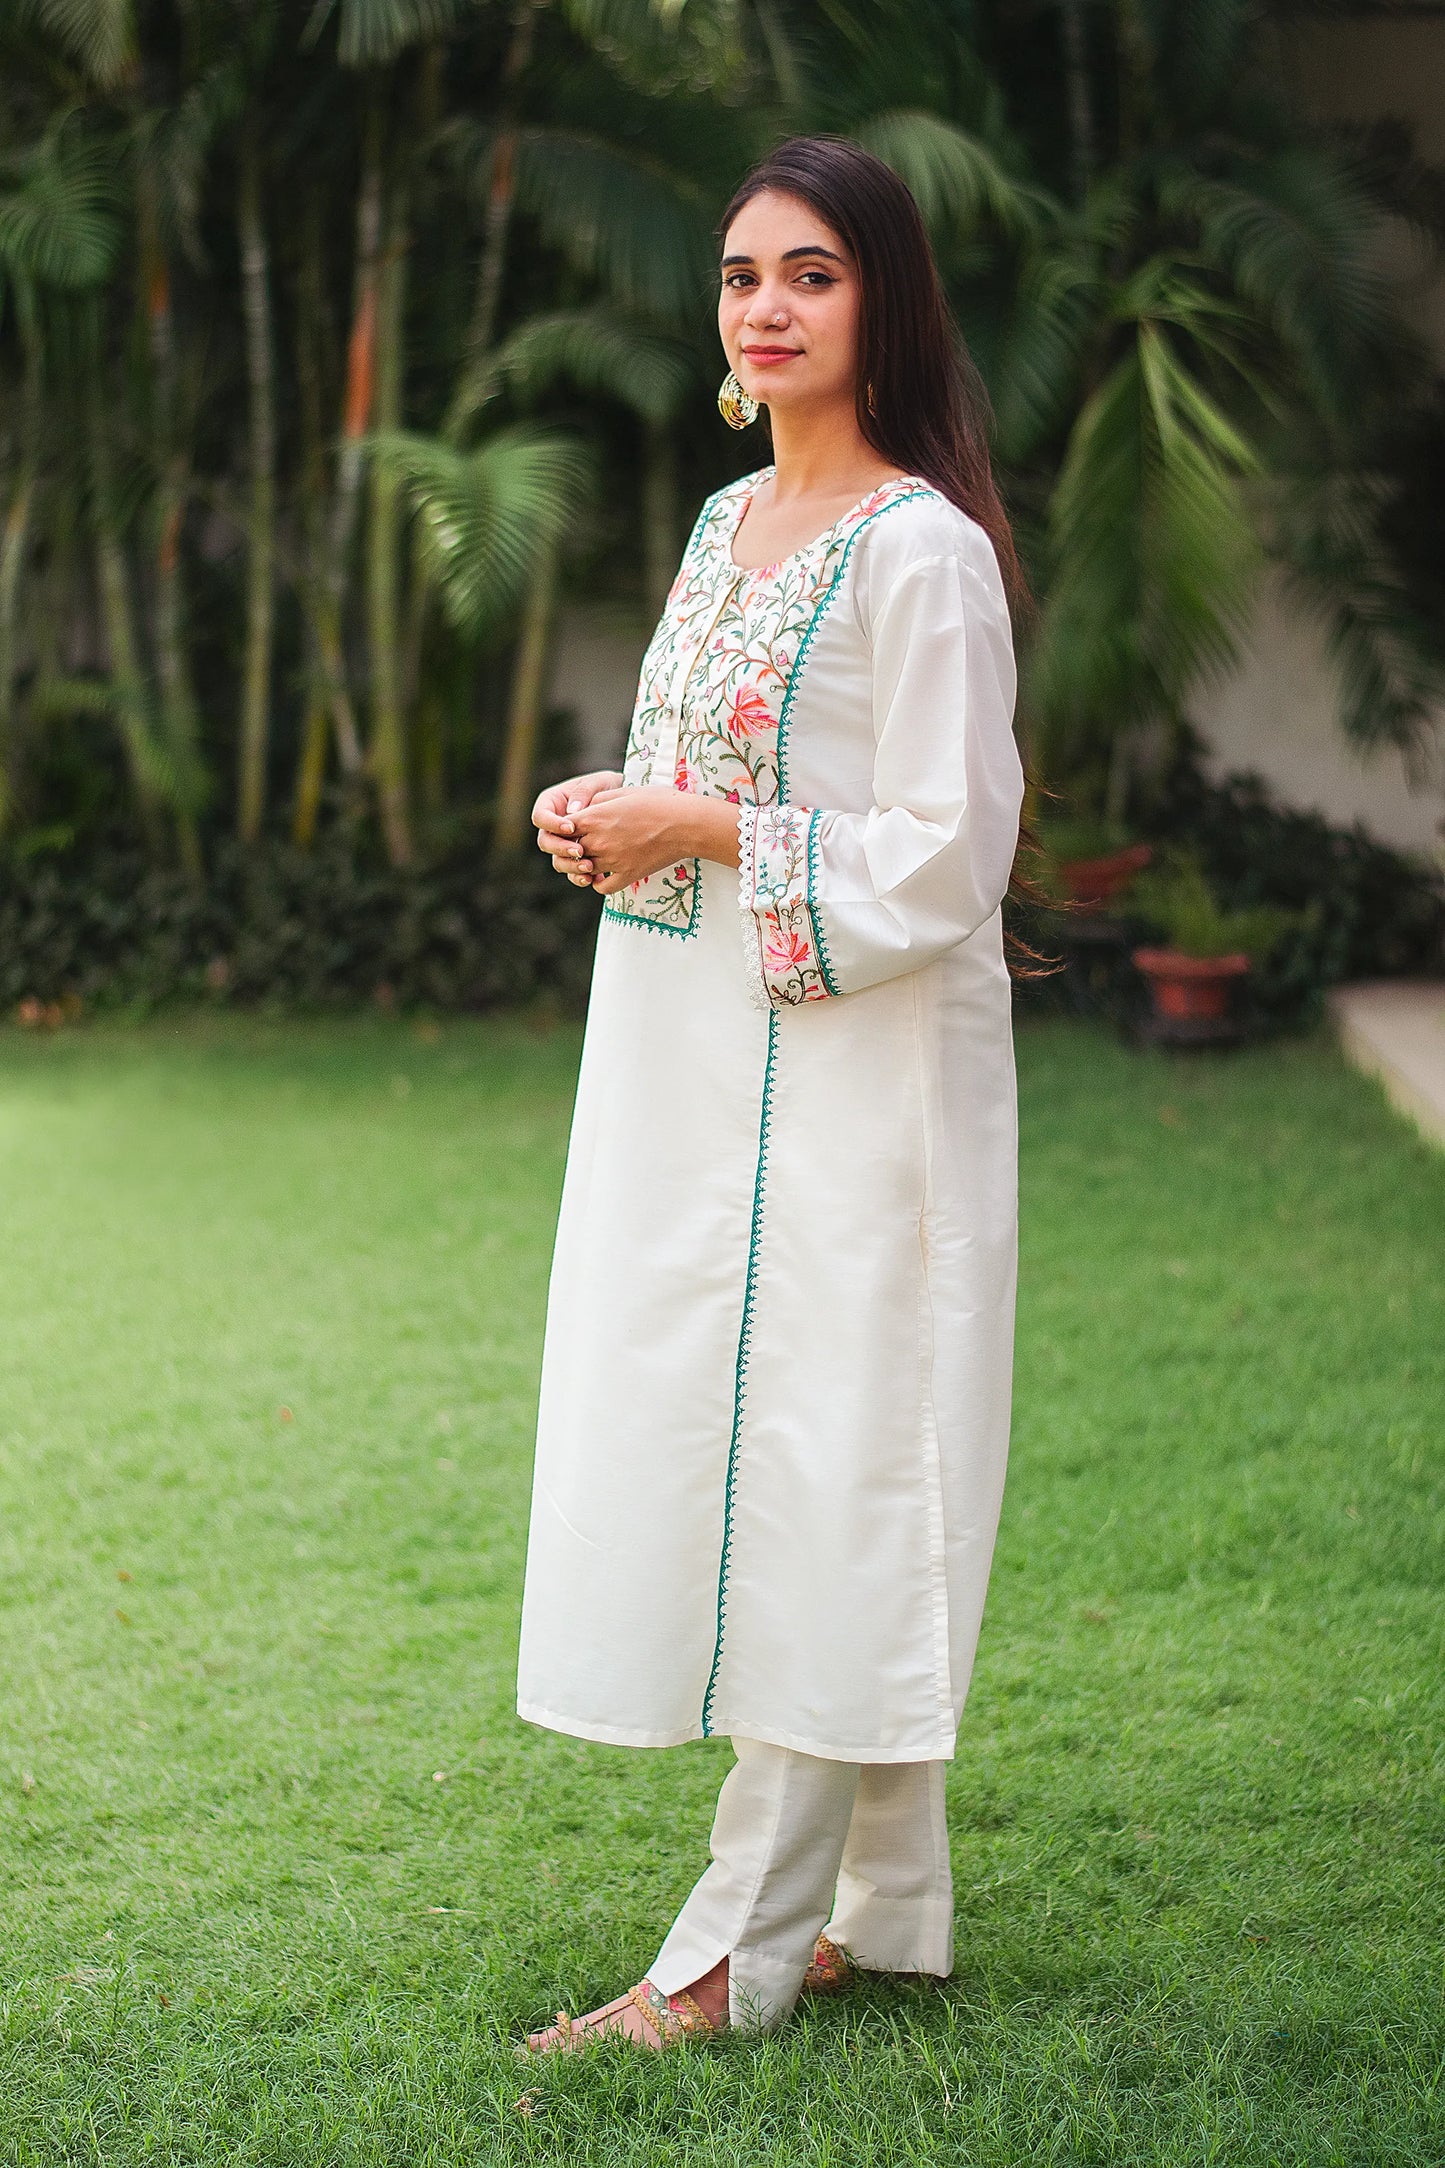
<point x="782" y="939"/>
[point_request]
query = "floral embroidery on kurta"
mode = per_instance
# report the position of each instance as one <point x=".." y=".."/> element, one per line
<point x="783" y="945"/>
<point x="714" y="687"/>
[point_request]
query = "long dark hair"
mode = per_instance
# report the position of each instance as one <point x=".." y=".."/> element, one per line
<point x="921" y="403"/>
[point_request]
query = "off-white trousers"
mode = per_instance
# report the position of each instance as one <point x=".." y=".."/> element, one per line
<point x="802" y="1846"/>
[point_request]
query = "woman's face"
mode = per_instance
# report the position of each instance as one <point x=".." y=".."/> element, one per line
<point x="789" y="305"/>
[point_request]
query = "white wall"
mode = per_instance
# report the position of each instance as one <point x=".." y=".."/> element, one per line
<point x="1277" y="715"/>
<point x="596" y="655"/>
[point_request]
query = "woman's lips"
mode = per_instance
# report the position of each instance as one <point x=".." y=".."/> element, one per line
<point x="765" y="356"/>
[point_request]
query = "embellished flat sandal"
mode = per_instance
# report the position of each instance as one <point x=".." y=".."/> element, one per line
<point x="669" y="2018"/>
<point x="831" y="1972"/>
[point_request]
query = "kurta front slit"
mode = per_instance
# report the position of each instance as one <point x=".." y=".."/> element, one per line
<point x="774" y="1406"/>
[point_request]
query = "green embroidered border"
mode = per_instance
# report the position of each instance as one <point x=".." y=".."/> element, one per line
<point x="745" y="1330"/>
<point x="657" y="925"/>
<point x="820" y="937"/>
<point x="820" y="609"/>
<point x="740" y="1374"/>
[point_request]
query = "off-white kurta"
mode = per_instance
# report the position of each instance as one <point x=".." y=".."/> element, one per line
<point x="776" y="1379"/>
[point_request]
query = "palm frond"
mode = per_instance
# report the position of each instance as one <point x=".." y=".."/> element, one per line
<point x="624" y="220"/>
<point x="373" y="32"/>
<point x="99" y="34"/>
<point x="666" y="46"/>
<point x="1036" y="373"/>
<point x="1153" y="552"/>
<point x="172" y="771"/>
<point x="956" y="179"/>
<point x="486" y="514"/>
<point x="174" y="141"/>
<point x="1389" y="656"/>
<point x="59" y="226"/>
<point x="597" y="350"/>
<point x="1300" y="242"/>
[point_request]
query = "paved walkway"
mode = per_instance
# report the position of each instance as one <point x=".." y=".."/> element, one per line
<point x="1396" y="1029"/>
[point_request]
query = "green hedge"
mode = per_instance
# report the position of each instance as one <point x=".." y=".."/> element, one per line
<point x="276" y="926"/>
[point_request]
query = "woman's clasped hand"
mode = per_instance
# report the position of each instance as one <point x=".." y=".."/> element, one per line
<point x="604" y="834"/>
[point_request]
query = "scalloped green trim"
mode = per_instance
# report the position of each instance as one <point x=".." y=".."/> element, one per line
<point x="820" y="938"/>
<point x="740" y="1374"/>
<point x="657" y="925"/>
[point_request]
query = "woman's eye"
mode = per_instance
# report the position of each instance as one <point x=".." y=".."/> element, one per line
<point x="819" y="278"/>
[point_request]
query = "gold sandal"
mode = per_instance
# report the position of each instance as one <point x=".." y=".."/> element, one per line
<point x="831" y="1972"/>
<point x="670" y="2017"/>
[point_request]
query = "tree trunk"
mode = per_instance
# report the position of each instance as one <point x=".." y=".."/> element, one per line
<point x="388" y="726"/>
<point x="128" y="688"/>
<point x="178" y="701"/>
<point x="1082" y="146"/>
<point x="311" y="768"/>
<point x="501" y="195"/>
<point x="1135" y="58"/>
<point x="514" y="795"/>
<point x="329" y="610"/>
<point x="311" y="326"/>
<point x="255" y="732"/>
<point x="14" y="546"/>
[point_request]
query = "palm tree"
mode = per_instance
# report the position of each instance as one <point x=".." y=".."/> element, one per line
<point x="58" y="234"/>
<point x="1164" y="355"/>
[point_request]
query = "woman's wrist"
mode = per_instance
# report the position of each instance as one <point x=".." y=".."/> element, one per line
<point x="707" y="828"/>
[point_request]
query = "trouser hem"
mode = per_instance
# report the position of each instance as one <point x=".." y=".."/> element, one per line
<point x="895" y="1934"/>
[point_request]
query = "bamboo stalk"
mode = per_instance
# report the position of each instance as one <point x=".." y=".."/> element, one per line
<point x="127" y="678"/>
<point x="480" y="336"/>
<point x="501" y="198"/>
<point x="14" y="545"/>
<point x="310" y="328"/>
<point x="311" y="768"/>
<point x="514" y="794"/>
<point x="178" y="702"/>
<point x="255" y="730"/>
<point x="388" y="723"/>
<point x="357" y="400"/>
<point x="1082" y="145"/>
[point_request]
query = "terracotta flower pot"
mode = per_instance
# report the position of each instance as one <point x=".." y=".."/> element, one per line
<point x="1189" y="989"/>
<point x="1095" y="881"/>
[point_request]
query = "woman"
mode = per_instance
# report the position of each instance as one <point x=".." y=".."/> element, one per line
<point x="775" y="1392"/>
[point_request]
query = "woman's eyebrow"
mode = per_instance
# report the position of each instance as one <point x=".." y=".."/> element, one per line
<point x="814" y="249"/>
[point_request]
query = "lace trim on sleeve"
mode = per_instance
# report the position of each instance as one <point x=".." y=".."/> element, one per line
<point x="751" y="931"/>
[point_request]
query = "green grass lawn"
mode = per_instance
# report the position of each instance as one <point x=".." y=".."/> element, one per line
<point x="281" y="1875"/>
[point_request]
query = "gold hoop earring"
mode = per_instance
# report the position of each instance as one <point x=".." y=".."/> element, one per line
<point x="736" y="406"/>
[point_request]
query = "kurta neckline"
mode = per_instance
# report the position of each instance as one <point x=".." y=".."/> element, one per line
<point x="825" y="535"/>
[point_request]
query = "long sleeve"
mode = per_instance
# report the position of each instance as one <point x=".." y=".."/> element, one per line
<point x="833" y="901"/>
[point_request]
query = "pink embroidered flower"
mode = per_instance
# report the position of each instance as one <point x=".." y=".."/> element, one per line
<point x="679" y="873"/>
<point x="787" y="951"/>
<point x="751" y="713"/>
